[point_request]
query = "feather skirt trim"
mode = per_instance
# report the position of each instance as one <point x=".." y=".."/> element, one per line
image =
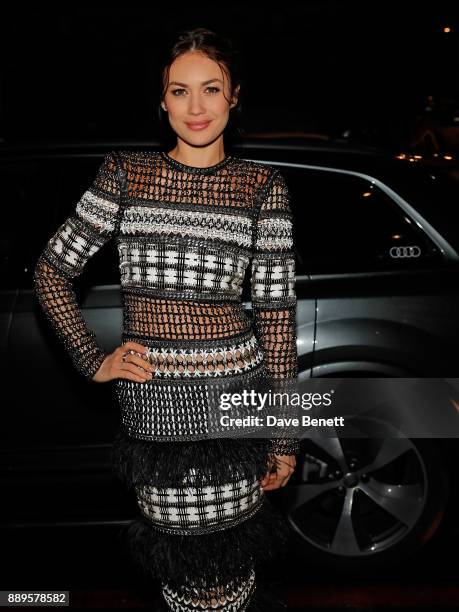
<point x="207" y="559"/>
<point x="213" y="553"/>
<point x="165" y="464"/>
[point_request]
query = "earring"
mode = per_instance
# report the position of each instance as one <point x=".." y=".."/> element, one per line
<point x="163" y="107"/>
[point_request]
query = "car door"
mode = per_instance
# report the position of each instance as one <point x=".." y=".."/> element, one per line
<point x="46" y="393"/>
<point x="57" y="429"/>
<point x="385" y="282"/>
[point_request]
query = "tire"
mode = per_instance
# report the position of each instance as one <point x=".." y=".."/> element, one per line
<point x="356" y="520"/>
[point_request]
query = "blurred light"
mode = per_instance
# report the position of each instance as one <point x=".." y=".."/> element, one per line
<point x="447" y="157"/>
<point x="446" y="30"/>
<point x="409" y="157"/>
<point x="396" y="237"/>
<point x="366" y="194"/>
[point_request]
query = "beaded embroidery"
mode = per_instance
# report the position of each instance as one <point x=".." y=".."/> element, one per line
<point x="185" y="237"/>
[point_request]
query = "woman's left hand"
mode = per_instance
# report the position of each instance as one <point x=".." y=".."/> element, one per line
<point x="281" y="467"/>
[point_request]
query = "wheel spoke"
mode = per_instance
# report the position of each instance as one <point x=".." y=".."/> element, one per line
<point x="332" y="446"/>
<point x="344" y="540"/>
<point x="390" y="449"/>
<point x="299" y="495"/>
<point x="402" y="501"/>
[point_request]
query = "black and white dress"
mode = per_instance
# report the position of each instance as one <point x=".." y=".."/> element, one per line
<point x="185" y="237"/>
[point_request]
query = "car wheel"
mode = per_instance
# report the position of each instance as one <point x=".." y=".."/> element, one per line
<point x="365" y="502"/>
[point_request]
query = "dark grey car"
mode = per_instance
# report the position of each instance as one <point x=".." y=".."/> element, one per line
<point x="377" y="245"/>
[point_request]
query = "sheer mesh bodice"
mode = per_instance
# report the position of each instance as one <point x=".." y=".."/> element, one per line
<point x="185" y="237"/>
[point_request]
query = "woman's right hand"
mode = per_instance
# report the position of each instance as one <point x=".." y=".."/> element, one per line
<point x="122" y="364"/>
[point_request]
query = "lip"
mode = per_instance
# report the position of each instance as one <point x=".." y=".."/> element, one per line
<point x="201" y="125"/>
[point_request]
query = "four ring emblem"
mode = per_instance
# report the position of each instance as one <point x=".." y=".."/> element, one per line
<point x="401" y="252"/>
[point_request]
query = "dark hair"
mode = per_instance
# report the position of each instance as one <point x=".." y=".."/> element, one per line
<point x="218" y="48"/>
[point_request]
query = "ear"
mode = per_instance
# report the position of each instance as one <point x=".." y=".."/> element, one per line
<point x="234" y="99"/>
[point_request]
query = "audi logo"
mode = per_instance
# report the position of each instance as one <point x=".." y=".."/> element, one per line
<point x="401" y="252"/>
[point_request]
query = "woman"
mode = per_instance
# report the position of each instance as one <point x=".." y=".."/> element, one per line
<point x="187" y="223"/>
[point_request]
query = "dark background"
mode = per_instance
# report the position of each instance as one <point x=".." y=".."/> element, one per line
<point x="89" y="71"/>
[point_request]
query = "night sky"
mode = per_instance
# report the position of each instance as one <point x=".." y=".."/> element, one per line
<point x="89" y="72"/>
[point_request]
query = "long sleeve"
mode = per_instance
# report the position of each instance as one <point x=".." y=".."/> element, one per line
<point x="83" y="233"/>
<point x="273" y="291"/>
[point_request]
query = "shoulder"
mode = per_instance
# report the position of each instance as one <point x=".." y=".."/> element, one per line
<point x="135" y="157"/>
<point x="261" y="169"/>
<point x="137" y="164"/>
<point x="272" y="194"/>
<point x="260" y="174"/>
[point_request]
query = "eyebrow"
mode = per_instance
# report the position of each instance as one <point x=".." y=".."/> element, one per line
<point x="203" y="83"/>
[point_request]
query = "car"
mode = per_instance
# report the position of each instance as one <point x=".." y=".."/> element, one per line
<point x="377" y="252"/>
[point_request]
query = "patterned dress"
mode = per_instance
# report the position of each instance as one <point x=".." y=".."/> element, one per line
<point x="185" y="237"/>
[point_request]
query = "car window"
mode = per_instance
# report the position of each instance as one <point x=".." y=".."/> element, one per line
<point x="343" y="223"/>
<point x="39" y="195"/>
<point x="28" y="217"/>
<point x="436" y="193"/>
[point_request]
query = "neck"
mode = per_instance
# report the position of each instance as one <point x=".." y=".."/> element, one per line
<point x="199" y="157"/>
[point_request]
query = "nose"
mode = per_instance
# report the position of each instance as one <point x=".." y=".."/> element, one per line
<point x="196" y="106"/>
